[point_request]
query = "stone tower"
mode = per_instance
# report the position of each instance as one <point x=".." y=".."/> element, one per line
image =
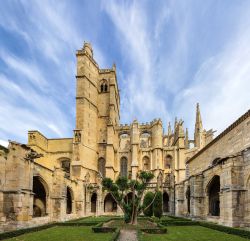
<point x="97" y="114"/>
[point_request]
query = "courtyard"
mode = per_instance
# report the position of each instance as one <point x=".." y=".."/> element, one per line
<point x="81" y="230"/>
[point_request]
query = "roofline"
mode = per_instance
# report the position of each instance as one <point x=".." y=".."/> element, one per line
<point x="227" y="130"/>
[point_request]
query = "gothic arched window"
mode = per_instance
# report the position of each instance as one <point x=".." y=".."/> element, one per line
<point x="124" y="167"/>
<point x="104" y="86"/>
<point x="101" y="166"/>
<point x="146" y="163"/>
<point x="168" y="162"/>
<point x="65" y="164"/>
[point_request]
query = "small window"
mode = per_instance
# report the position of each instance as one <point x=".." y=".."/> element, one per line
<point x="105" y="88"/>
<point x="65" y="164"/>
<point x="124" y="167"/>
<point x="168" y="162"/>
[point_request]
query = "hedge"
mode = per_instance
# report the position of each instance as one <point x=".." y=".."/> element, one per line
<point x="178" y="223"/>
<point x="116" y="234"/>
<point x="77" y="224"/>
<point x="18" y="232"/>
<point x="103" y="229"/>
<point x="229" y="230"/>
<point x="154" y="230"/>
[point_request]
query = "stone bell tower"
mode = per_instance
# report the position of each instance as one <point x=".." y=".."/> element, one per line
<point x="97" y="113"/>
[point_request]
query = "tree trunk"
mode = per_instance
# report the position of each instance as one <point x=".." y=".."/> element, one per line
<point x="134" y="222"/>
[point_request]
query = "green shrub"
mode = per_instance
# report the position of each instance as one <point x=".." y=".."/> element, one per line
<point x="229" y="230"/>
<point x="115" y="235"/>
<point x="157" y="206"/>
<point x="154" y="230"/>
<point x="18" y="232"/>
<point x="103" y="229"/>
<point x="149" y="196"/>
<point x="179" y="223"/>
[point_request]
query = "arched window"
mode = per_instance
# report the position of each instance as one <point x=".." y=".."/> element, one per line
<point x="214" y="196"/>
<point x="93" y="202"/>
<point x="188" y="199"/>
<point x="110" y="204"/>
<point x="40" y="197"/>
<point x="101" y="166"/>
<point x="145" y="140"/>
<point x="168" y="162"/>
<point x="124" y="167"/>
<point x="146" y="163"/>
<point x="165" y="202"/>
<point x="65" y="164"/>
<point x="69" y="201"/>
<point x="104" y="86"/>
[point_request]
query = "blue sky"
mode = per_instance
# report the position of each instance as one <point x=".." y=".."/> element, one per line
<point x="169" y="56"/>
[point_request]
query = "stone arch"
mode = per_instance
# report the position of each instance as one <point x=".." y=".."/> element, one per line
<point x="93" y="201"/>
<point x="65" y="164"/>
<point x="41" y="192"/>
<point x="145" y="139"/>
<point x="188" y="194"/>
<point x="213" y="192"/>
<point x="104" y="86"/>
<point x="146" y="163"/>
<point x="110" y="204"/>
<point x="247" y="201"/>
<point x="168" y="162"/>
<point x="101" y="166"/>
<point x="69" y="200"/>
<point x="124" y="167"/>
<point x="165" y="202"/>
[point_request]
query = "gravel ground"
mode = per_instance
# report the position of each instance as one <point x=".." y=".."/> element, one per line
<point x="127" y="235"/>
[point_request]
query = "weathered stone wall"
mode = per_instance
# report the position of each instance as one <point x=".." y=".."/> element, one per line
<point x="234" y="139"/>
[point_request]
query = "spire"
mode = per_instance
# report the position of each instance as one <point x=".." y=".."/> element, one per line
<point x="198" y="128"/>
<point x="198" y="123"/>
<point x="169" y="129"/>
<point x="175" y="123"/>
<point x="186" y="139"/>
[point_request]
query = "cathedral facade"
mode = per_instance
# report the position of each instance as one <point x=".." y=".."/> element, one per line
<point x="49" y="180"/>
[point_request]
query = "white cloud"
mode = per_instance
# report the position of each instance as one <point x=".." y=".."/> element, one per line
<point x="222" y="84"/>
<point x="139" y="96"/>
<point x="4" y="143"/>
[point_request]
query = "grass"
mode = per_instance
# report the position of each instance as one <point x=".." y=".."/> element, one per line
<point x="191" y="233"/>
<point x="64" y="234"/>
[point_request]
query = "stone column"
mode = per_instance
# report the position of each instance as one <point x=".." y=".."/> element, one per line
<point x="135" y="143"/>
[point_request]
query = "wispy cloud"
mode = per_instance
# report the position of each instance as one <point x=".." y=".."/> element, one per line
<point x="138" y="89"/>
<point x="169" y="55"/>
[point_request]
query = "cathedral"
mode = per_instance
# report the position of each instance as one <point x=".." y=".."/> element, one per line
<point x="48" y="180"/>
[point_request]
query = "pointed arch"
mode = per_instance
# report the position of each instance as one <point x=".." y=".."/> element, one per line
<point x="69" y="201"/>
<point x="124" y="167"/>
<point x="146" y="163"/>
<point x="168" y="162"/>
<point x="188" y="194"/>
<point x="165" y="202"/>
<point x="213" y="192"/>
<point x="110" y="204"/>
<point x="41" y="192"/>
<point x="93" y="201"/>
<point x="101" y="166"/>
